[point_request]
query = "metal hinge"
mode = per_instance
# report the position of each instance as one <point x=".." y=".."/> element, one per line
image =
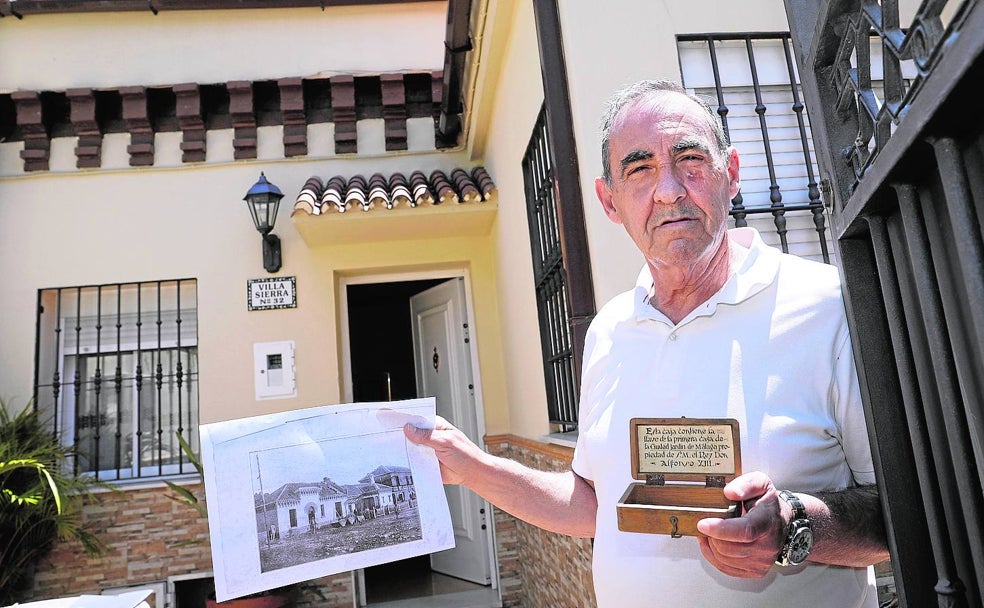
<point x="715" y="481"/>
<point x="655" y="479"/>
<point x="464" y="326"/>
<point x="827" y="192"/>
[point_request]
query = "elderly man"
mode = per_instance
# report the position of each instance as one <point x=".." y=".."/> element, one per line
<point x="719" y="325"/>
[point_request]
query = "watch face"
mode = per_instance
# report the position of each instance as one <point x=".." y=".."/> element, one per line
<point x="800" y="546"/>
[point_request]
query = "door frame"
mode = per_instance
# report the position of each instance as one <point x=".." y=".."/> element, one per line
<point x="345" y="360"/>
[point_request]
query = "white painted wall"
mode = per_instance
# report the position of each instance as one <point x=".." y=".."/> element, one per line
<point x="607" y="49"/>
<point x="92" y="50"/>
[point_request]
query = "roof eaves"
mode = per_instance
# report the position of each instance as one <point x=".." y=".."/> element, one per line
<point x="21" y="8"/>
<point x="338" y="194"/>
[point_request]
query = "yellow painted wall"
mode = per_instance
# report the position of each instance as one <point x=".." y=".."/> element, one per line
<point x="108" y="227"/>
<point x="443" y="256"/>
<point x="509" y="101"/>
<point x="66" y="227"/>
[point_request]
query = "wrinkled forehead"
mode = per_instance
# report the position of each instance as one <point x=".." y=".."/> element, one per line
<point x="667" y="110"/>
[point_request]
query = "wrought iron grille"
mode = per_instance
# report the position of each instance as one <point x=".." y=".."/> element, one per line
<point x="906" y="169"/>
<point x="550" y="278"/>
<point x="758" y="100"/>
<point x="116" y="372"/>
<point x="879" y="109"/>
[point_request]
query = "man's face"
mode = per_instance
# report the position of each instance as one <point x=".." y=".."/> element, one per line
<point x="670" y="185"/>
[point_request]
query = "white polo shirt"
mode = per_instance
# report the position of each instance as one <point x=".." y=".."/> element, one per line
<point x="771" y="349"/>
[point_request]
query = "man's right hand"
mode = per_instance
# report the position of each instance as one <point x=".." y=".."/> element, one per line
<point x="556" y="501"/>
<point x="454" y="450"/>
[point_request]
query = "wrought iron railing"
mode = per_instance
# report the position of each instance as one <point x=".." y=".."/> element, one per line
<point x="777" y="97"/>
<point x="899" y="135"/>
<point x="116" y="373"/>
<point x="550" y="278"/>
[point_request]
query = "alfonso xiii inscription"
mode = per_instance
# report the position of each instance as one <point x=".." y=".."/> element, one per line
<point x="706" y="449"/>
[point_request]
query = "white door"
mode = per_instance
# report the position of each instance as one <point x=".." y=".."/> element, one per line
<point x="443" y="366"/>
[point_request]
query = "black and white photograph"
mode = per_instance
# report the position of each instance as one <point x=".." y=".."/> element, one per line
<point x="310" y="508"/>
<point x="312" y="492"/>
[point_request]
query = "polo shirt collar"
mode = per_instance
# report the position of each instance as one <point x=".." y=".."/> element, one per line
<point x="756" y="268"/>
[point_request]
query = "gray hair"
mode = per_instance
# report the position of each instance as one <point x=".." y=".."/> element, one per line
<point x="644" y="88"/>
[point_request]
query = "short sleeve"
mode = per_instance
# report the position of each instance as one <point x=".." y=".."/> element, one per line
<point x="849" y="412"/>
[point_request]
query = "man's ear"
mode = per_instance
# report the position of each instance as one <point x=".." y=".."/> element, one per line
<point x="734" y="180"/>
<point x="604" y="192"/>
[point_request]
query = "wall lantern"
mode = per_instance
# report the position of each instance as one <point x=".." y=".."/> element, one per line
<point x="263" y="200"/>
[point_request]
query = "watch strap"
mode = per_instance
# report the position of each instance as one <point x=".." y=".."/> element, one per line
<point x="799" y="511"/>
<point x="798" y="521"/>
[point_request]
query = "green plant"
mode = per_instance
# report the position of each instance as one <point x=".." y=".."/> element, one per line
<point x="183" y="494"/>
<point x="40" y="499"/>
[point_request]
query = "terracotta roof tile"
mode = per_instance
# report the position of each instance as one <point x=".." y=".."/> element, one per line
<point x="484" y="182"/>
<point x="421" y="190"/>
<point x="338" y="194"/>
<point x="357" y="193"/>
<point x="399" y="190"/>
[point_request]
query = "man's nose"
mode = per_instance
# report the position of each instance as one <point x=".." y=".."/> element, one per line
<point x="668" y="188"/>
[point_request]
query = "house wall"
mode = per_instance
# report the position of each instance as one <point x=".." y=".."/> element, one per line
<point x="137" y="551"/>
<point x="606" y="50"/>
<point x="69" y="227"/>
<point x="105" y="227"/>
<point x="536" y="567"/>
<point x="513" y="94"/>
<point x="208" y="211"/>
<point x="42" y="52"/>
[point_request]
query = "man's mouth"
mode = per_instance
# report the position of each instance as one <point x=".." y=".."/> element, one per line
<point x="673" y="220"/>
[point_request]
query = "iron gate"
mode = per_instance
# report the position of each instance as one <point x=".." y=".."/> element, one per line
<point x="904" y="171"/>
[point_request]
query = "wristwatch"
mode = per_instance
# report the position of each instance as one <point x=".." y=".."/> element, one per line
<point x="799" y="536"/>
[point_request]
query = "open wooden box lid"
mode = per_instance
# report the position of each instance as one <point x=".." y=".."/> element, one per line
<point x="685" y="449"/>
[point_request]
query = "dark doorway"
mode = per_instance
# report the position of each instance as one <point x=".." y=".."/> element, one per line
<point x="381" y="340"/>
<point x="381" y="351"/>
<point x="192" y="592"/>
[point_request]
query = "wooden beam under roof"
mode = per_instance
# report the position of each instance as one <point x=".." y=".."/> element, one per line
<point x="21" y="8"/>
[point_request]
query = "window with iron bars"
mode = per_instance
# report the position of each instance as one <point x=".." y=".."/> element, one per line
<point x="550" y="277"/>
<point x="116" y="373"/>
<point x="751" y="81"/>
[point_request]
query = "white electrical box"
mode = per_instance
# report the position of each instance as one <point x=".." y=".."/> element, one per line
<point x="273" y="370"/>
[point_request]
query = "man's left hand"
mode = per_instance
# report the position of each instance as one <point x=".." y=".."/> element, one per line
<point x="746" y="546"/>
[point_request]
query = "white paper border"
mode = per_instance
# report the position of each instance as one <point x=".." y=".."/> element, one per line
<point x="226" y="448"/>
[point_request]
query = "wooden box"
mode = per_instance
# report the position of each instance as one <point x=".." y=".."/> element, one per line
<point x="684" y="464"/>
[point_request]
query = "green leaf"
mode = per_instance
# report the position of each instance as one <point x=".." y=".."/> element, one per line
<point x="190" y="453"/>
<point x="54" y="489"/>
<point x="34" y="494"/>
<point x="186" y="497"/>
<point x="41" y="498"/>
